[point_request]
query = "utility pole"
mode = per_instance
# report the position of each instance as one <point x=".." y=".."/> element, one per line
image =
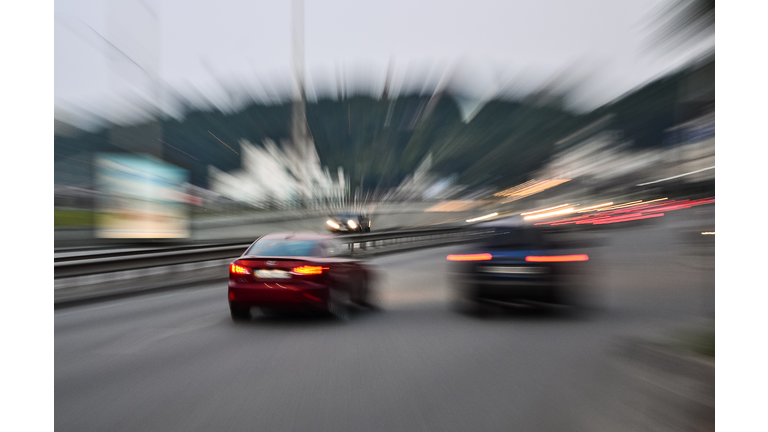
<point x="308" y="162"/>
<point x="299" y="129"/>
<point x="144" y="56"/>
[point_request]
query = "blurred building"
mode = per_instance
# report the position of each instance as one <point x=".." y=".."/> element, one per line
<point x="271" y="176"/>
<point x="599" y="157"/>
<point x="424" y="185"/>
<point x="692" y="149"/>
<point x="290" y="175"/>
<point x="696" y="90"/>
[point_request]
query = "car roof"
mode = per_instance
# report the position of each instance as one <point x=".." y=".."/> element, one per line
<point x="303" y="236"/>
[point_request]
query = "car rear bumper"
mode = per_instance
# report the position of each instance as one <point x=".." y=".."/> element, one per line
<point x="511" y="291"/>
<point x="278" y="294"/>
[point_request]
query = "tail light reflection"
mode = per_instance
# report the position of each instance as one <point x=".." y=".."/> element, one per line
<point x="557" y="258"/>
<point x="470" y="257"/>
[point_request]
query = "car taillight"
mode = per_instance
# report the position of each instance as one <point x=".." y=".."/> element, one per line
<point x="237" y="269"/>
<point x="557" y="258"/>
<point x="309" y="270"/>
<point x="470" y="257"/>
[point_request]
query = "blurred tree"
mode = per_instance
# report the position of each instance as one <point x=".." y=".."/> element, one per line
<point x="379" y="142"/>
<point x="684" y="21"/>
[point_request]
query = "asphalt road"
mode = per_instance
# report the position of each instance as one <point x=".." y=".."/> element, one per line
<point x="174" y="361"/>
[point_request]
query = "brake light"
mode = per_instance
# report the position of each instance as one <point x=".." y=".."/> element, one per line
<point x="236" y="269"/>
<point x="470" y="257"/>
<point x="309" y="270"/>
<point x="557" y="258"/>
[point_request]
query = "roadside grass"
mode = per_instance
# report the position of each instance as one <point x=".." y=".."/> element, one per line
<point x="83" y="218"/>
<point x="701" y="342"/>
<point x="73" y="218"/>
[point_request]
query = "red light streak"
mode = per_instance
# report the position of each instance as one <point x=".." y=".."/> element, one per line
<point x="470" y="257"/>
<point x="557" y="258"/>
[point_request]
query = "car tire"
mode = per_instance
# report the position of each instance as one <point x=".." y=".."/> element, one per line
<point x="368" y="297"/>
<point x="473" y="308"/>
<point x="466" y="304"/>
<point x="338" y="304"/>
<point x="239" y="313"/>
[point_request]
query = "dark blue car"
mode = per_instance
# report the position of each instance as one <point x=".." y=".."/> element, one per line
<point x="514" y="264"/>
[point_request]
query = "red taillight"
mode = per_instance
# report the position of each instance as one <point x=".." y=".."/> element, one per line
<point x="236" y="269"/>
<point x="557" y="258"/>
<point x="470" y="257"/>
<point x="309" y="270"/>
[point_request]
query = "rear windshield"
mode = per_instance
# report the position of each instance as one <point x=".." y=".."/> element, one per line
<point x="277" y="247"/>
<point x="514" y="238"/>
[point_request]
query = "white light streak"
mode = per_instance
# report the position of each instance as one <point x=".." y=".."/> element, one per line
<point x="674" y="177"/>
<point x="554" y="213"/>
<point x="539" y="211"/>
<point x="483" y="217"/>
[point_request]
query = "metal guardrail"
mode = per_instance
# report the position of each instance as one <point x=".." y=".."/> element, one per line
<point x="100" y="254"/>
<point x="99" y="263"/>
<point x="91" y="266"/>
<point x="371" y="241"/>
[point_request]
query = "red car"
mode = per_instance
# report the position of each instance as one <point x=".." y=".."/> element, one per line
<point x="308" y="272"/>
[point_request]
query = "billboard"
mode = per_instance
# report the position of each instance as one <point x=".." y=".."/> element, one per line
<point x="140" y="197"/>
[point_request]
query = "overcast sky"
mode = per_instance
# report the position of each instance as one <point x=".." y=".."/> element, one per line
<point x="489" y="46"/>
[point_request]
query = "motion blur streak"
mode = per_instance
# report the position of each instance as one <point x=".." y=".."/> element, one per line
<point x="630" y="212"/>
<point x="212" y="123"/>
<point x="595" y="207"/>
<point x="618" y="206"/>
<point x="483" y="217"/>
<point x="470" y="257"/>
<point x="659" y="199"/>
<point x="529" y="188"/>
<point x="550" y="208"/>
<point x="627" y="219"/>
<point x="554" y="213"/>
<point x="557" y="258"/>
<point x="677" y="176"/>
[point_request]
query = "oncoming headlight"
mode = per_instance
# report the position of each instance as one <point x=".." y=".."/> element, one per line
<point x="333" y="224"/>
<point x="352" y="224"/>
